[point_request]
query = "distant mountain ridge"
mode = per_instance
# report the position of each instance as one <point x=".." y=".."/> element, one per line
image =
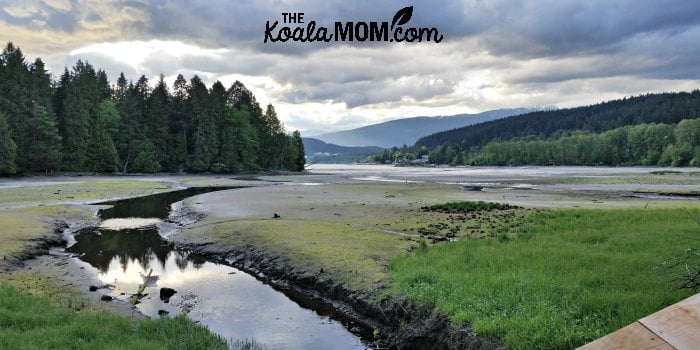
<point x="407" y="131"/>
<point x="318" y="151"/>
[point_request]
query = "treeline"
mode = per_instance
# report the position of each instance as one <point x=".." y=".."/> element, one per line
<point x="643" y="144"/>
<point x="82" y="122"/>
<point x="667" y="108"/>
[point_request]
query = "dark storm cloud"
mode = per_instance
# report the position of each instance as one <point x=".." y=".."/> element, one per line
<point x="493" y="50"/>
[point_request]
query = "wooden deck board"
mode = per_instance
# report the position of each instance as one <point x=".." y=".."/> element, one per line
<point x="634" y="336"/>
<point x="678" y="324"/>
<point x="674" y="327"/>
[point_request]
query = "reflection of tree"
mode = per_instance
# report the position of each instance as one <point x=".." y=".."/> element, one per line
<point x="100" y="247"/>
<point x="197" y="260"/>
<point x="153" y="206"/>
<point x="181" y="259"/>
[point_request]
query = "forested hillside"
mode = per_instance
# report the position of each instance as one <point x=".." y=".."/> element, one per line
<point x="82" y="122"/>
<point x="660" y="129"/>
<point x="406" y="131"/>
<point x="668" y="108"/>
<point x="318" y="151"/>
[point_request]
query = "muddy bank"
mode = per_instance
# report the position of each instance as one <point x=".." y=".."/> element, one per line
<point x="45" y="256"/>
<point x="398" y="324"/>
<point x="36" y="247"/>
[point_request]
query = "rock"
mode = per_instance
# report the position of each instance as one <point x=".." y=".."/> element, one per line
<point x="106" y="298"/>
<point x="166" y="293"/>
<point x="163" y="312"/>
<point x="94" y="288"/>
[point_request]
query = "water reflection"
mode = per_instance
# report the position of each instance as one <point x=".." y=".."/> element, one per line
<point x="102" y="247"/>
<point x="228" y="301"/>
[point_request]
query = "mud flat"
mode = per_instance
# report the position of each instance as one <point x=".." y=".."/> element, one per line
<point x="332" y="235"/>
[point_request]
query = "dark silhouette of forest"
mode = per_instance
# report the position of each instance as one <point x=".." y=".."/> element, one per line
<point x="83" y="123"/>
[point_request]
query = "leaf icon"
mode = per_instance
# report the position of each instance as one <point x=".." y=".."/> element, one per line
<point x="402" y="16"/>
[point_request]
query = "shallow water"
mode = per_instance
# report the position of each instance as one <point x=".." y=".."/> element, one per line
<point x="228" y="301"/>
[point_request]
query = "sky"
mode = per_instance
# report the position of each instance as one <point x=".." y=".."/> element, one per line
<point x="494" y="53"/>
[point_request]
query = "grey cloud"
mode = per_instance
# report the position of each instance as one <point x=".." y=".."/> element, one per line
<point x="106" y="63"/>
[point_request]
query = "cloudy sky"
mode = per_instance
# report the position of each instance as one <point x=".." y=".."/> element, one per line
<point x="495" y="53"/>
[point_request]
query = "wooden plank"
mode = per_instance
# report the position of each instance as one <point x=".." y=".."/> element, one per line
<point x="634" y="336"/>
<point x="678" y="324"/>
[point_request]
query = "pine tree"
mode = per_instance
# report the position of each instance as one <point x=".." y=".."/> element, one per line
<point x="130" y="128"/>
<point x="43" y="143"/>
<point x="273" y="141"/>
<point x="15" y="98"/>
<point x="103" y="153"/>
<point x="156" y="123"/>
<point x="7" y="148"/>
<point x="205" y="138"/>
<point x="146" y="160"/>
<point x="299" y="155"/>
<point x="179" y="130"/>
<point x="82" y="100"/>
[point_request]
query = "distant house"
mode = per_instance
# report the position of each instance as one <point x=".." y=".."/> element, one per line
<point x="424" y="159"/>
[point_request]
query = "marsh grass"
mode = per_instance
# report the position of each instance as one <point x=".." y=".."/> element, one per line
<point x="468" y="207"/>
<point x="561" y="279"/>
<point x="36" y="321"/>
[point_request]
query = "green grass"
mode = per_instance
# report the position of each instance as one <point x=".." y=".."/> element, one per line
<point x="563" y="278"/>
<point x="36" y="321"/>
<point x="467" y="207"/>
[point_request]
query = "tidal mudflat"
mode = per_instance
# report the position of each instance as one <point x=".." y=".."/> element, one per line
<point x="358" y="239"/>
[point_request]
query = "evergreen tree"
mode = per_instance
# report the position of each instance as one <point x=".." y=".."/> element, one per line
<point x="273" y="142"/>
<point x="297" y="156"/>
<point x="60" y="92"/>
<point x="156" y="123"/>
<point x="15" y="99"/>
<point x="7" y="148"/>
<point x="82" y="100"/>
<point x="43" y="143"/>
<point x="205" y="138"/>
<point x="146" y="160"/>
<point x="130" y="130"/>
<point x="103" y="153"/>
<point x="179" y="130"/>
<point x="81" y="123"/>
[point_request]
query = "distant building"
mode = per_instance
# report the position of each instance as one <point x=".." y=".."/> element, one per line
<point x="424" y="159"/>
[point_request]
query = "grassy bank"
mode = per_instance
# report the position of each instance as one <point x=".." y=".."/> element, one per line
<point x="351" y="231"/>
<point x="42" y="312"/>
<point x="563" y="278"/>
<point x="45" y="316"/>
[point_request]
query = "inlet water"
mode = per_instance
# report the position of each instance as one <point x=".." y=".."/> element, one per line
<point x="228" y="301"/>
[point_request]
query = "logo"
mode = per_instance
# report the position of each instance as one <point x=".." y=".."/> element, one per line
<point x="349" y="31"/>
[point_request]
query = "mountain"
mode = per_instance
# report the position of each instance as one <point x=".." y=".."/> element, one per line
<point x="407" y="130"/>
<point x="318" y="151"/>
<point x="667" y="108"/>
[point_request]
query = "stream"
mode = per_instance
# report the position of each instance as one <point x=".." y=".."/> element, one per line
<point x="129" y="243"/>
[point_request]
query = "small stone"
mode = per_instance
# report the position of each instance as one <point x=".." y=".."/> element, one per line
<point x="166" y="293"/>
<point x="93" y="288"/>
<point x="106" y="298"/>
